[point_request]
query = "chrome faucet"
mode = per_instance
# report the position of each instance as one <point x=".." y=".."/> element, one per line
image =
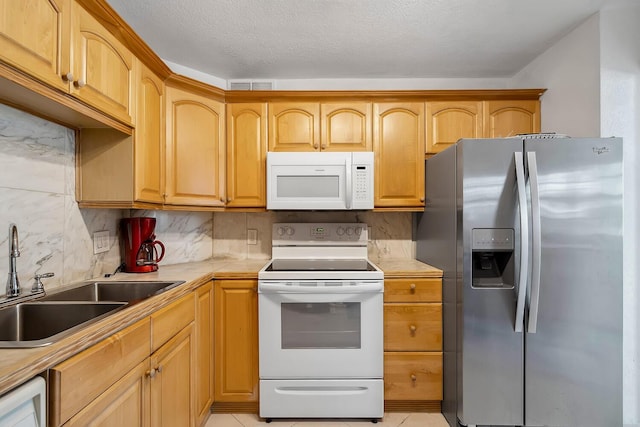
<point x="13" y="284"/>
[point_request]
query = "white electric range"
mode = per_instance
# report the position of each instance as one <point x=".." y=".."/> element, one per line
<point x="320" y="324"/>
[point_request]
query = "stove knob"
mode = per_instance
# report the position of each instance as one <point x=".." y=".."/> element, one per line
<point x="358" y="231"/>
<point x="340" y="231"/>
<point x="290" y="231"/>
<point x="349" y="231"/>
<point x="280" y="231"/>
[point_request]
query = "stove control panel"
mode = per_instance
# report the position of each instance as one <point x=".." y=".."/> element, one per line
<point x="301" y="233"/>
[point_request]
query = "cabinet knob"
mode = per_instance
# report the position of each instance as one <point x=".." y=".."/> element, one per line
<point x="159" y="369"/>
<point x="151" y="373"/>
<point x="229" y="199"/>
<point x="315" y="146"/>
<point x="421" y="199"/>
<point x="412" y="287"/>
<point x="68" y="77"/>
<point x="413" y="329"/>
<point x="79" y="83"/>
<point x="324" y="146"/>
<point x="414" y="378"/>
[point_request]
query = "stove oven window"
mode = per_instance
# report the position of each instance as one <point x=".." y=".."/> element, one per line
<point x="331" y="325"/>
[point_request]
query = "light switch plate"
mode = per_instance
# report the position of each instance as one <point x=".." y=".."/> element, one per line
<point x="100" y="242"/>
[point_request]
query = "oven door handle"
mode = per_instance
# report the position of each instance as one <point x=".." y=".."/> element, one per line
<point x="279" y="288"/>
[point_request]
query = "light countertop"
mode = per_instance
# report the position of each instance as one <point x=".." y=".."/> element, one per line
<point x="17" y="365"/>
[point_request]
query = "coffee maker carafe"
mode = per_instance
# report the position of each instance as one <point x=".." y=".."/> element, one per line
<point x="140" y="251"/>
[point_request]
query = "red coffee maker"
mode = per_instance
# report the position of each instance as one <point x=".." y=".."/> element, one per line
<point x="139" y="245"/>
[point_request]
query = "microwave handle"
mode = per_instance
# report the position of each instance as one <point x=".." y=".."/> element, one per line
<point x="348" y="167"/>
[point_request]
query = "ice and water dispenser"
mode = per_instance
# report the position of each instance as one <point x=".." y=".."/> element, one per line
<point x="492" y="255"/>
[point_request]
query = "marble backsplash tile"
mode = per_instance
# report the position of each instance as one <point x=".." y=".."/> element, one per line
<point x="37" y="193"/>
<point x="390" y="231"/>
<point x="186" y="236"/>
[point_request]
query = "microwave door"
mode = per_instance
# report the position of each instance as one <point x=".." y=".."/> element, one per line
<point x="307" y="187"/>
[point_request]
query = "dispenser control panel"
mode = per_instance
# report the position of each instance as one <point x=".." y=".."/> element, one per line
<point x="492" y="239"/>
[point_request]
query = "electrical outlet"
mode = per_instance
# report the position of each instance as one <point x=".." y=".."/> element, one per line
<point x="100" y="242"/>
<point x="252" y="236"/>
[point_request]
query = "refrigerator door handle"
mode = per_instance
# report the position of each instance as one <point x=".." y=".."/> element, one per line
<point x="535" y="244"/>
<point x="524" y="241"/>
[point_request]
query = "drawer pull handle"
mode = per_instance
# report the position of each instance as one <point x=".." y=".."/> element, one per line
<point x="412" y="287"/>
<point x="413" y="329"/>
<point x="151" y="373"/>
<point x="414" y="378"/>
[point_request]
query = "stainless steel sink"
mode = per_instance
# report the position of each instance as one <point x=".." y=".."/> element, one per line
<point x="129" y="292"/>
<point x="36" y="324"/>
<point x="48" y="319"/>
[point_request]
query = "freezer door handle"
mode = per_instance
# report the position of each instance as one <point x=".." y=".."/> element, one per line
<point x="535" y="244"/>
<point x="524" y="241"/>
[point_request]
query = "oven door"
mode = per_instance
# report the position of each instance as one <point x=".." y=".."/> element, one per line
<point x="321" y="333"/>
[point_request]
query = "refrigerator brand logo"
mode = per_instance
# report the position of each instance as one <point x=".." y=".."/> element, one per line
<point x="600" y="150"/>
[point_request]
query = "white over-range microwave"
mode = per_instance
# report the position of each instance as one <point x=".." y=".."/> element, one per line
<point x="320" y="181"/>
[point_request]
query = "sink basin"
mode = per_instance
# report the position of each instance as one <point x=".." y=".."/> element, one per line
<point x="36" y="324"/>
<point x="112" y="291"/>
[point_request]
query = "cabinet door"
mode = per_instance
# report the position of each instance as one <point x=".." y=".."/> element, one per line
<point x="102" y="67"/>
<point x="246" y="155"/>
<point x="34" y="37"/>
<point x="447" y="122"/>
<point x="345" y="127"/>
<point x="171" y="383"/>
<point x="195" y="150"/>
<point x="149" y="137"/>
<point x="236" y="338"/>
<point x="509" y="118"/>
<point x="398" y="143"/>
<point x="125" y="403"/>
<point x="204" y="352"/>
<point x="294" y="126"/>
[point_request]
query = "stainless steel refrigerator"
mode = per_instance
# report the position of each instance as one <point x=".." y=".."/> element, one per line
<point x="528" y="232"/>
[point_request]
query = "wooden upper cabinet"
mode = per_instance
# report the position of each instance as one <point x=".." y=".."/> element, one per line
<point x="345" y="127"/>
<point x="149" y="137"/>
<point x="398" y="144"/>
<point x="35" y="37"/>
<point x="103" y="72"/>
<point x="447" y="122"/>
<point x="294" y="126"/>
<point x="509" y="118"/>
<point x="195" y="154"/>
<point x="246" y="155"/>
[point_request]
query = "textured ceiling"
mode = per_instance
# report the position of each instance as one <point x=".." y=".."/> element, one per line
<point x="306" y="39"/>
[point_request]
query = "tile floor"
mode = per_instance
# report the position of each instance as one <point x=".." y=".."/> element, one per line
<point x="391" y="419"/>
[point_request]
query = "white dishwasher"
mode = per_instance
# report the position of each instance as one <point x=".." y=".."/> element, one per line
<point x="24" y="406"/>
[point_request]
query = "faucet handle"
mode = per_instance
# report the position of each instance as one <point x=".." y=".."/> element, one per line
<point x="37" y="285"/>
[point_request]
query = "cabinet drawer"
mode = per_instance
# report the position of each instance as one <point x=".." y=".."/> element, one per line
<point x="78" y="380"/>
<point x="167" y="322"/>
<point x="413" y="290"/>
<point x="412" y="327"/>
<point x="413" y="376"/>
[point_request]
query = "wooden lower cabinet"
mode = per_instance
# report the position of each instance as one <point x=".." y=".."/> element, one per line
<point x="126" y="380"/>
<point x="204" y="352"/>
<point x="172" y="402"/>
<point x="236" y="351"/>
<point x="413" y="344"/>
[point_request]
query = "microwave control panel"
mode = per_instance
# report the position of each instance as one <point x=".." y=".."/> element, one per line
<point x="362" y="171"/>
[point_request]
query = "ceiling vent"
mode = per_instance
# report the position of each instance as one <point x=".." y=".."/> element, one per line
<point x="249" y="85"/>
